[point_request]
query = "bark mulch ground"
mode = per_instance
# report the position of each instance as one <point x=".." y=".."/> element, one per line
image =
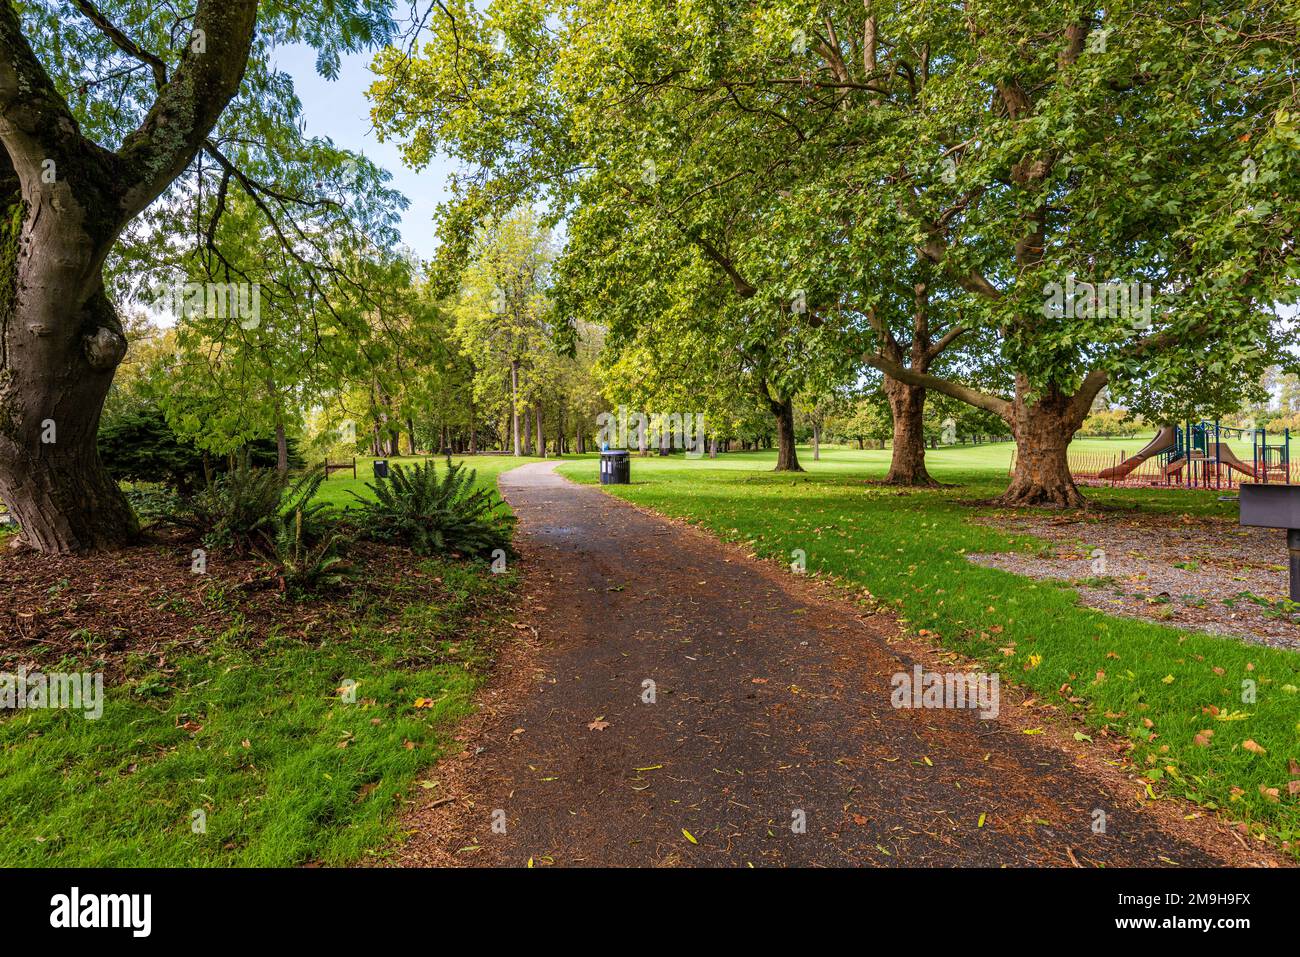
<point x="772" y="705"/>
<point x="99" y="612"/>
<point x="1202" y="573"/>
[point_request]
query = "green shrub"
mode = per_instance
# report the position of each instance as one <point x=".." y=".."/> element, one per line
<point x="241" y="509"/>
<point x="137" y="445"/>
<point x="434" y="516"/>
<point x="153" y="502"/>
<point x="306" y="564"/>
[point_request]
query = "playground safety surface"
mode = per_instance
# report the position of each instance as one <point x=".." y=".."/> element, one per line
<point x="1192" y="572"/>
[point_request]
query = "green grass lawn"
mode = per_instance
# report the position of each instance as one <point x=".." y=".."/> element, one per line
<point x="907" y="550"/>
<point x="991" y="456"/>
<point x="254" y="736"/>
<point x="337" y="489"/>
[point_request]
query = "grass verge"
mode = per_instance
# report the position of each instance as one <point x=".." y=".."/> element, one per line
<point x="238" y="729"/>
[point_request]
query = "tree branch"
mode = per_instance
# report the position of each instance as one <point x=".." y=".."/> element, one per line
<point x="990" y="403"/>
<point x="188" y="106"/>
<point x="1092" y="384"/>
<point x="947" y="339"/>
<point x="124" y="43"/>
<point x="35" y="122"/>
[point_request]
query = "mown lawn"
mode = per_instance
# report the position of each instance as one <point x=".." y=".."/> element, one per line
<point x="232" y="749"/>
<point x="907" y="550"/>
<point x="338" y="488"/>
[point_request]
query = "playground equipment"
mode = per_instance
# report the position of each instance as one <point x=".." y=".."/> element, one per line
<point x="1198" y="455"/>
<point x="1166" y="439"/>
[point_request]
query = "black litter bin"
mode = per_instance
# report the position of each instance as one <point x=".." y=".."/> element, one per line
<point x="615" y="467"/>
<point x="381" y="468"/>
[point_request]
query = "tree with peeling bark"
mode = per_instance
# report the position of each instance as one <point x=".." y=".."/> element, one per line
<point x="1078" y="180"/>
<point x="89" y="144"/>
<point x="1101" y="196"/>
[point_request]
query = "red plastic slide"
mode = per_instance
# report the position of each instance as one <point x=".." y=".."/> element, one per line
<point x="1165" y="440"/>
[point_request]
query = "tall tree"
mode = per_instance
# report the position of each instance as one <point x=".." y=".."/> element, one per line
<point x="89" y="143"/>
<point x="991" y="152"/>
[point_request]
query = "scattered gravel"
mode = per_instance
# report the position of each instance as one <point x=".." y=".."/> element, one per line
<point x="1207" y="574"/>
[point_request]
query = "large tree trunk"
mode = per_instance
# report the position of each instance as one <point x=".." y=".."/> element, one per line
<point x="64" y="200"/>
<point x="786" y="459"/>
<point x="1042" y="431"/>
<point x="907" y="403"/>
<point x="55" y="370"/>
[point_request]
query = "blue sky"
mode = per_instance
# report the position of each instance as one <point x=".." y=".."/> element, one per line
<point x="339" y="109"/>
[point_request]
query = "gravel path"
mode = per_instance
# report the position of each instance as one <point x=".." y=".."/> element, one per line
<point x="771" y="708"/>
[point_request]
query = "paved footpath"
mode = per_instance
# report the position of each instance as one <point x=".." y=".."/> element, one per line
<point x="771" y="707"/>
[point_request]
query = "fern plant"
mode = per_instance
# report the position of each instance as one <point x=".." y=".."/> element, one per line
<point x="241" y="509"/>
<point x="434" y="516"/>
<point x="306" y="564"/>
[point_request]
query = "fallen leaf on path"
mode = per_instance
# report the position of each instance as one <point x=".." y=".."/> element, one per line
<point x="598" y="725"/>
<point x="689" y="836"/>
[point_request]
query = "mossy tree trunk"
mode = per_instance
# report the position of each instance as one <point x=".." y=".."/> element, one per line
<point x="65" y="200"/>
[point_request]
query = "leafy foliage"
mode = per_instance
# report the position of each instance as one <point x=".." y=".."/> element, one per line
<point x="138" y="445"/>
<point x="306" y="563"/>
<point x="153" y="502"/>
<point x="241" y="509"/>
<point x="434" y="516"/>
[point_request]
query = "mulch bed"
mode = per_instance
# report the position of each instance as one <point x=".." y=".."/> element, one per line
<point x="101" y="609"/>
<point x="1186" y="571"/>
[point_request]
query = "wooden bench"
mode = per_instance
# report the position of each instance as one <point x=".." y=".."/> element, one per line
<point x="341" y="467"/>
